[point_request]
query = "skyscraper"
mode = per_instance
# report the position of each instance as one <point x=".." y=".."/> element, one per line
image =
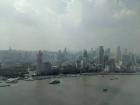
<point x="65" y="55"/>
<point x="108" y="52"/>
<point x="118" y="55"/>
<point x="125" y="58"/>
<point x="85" y="54"/>
<point x="91" y="54"/>
<point x="101" y="56"/>
<point x="39" y="61"/>
<point x="85" y="59"/>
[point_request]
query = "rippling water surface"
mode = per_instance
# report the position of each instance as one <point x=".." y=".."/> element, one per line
<point x="83" y="90"/>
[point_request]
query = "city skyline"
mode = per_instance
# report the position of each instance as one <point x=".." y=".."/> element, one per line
<point x="100" y="59"/>
<point x="69" y="52"/>
<point x="114" y="49"/>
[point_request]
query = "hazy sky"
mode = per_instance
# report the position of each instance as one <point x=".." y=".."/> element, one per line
<point x="75" y="24"/>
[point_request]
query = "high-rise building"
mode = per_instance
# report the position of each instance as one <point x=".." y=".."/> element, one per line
<point x="65" y="55"/>
<point x="39" y="61"/>
<point x="85" y="54"/>
<point x="46" y="68"/>
<point x="60" y="57"/>
<point x="85" y="59"/>
<point x="101" y="55"/>
<point x="118" y="55"/>
<point x="125" y="58"/>
<point x="65" y="51"/>
<point x="126" y="51"/>
<point x="112" y="66"/>
<point x="91" y="54"/>
<point x="132" y="59"/>
<point x="108" y="52"/>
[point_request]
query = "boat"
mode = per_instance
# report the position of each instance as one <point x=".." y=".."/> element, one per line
<point x="4" y="85"/>
<point x="115" y="78"/>
<point x="105" y="90"/>
<point x="29" y="79"/>
<point x="54" y="82"/>
<point x="12" y="80"/>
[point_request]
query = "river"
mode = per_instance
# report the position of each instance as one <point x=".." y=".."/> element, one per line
<point x="82" y="90"/>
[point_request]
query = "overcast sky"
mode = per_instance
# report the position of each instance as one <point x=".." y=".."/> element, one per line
<point x="75" y="24"/>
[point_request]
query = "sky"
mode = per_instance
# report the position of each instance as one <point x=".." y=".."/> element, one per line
<point x="75" y="24"/>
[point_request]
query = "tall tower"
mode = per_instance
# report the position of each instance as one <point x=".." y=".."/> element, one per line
<point x="65" y="51"/>
<point x="65" y="54"/>
<point x="108" y="52"/>
<point x="118" y="54"/>
<point x="39" y="61"/>
<point x="101" y="55"/>
<point x="85" y="58"/>
<point x="85" y="54"/>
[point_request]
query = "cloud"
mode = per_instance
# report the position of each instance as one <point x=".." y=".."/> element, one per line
<point x="22" y="6"/>
<point x="77" y="24"/>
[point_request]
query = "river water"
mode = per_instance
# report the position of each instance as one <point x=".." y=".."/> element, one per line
<point x="83" y="90"/>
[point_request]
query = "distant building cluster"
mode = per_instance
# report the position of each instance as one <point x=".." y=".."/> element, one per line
<point x="66" y="62"/>
<point x="98" y="60"/>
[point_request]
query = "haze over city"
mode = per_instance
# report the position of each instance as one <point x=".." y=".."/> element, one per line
<point x="69" y="52"/>
<point x="76" y="24"/>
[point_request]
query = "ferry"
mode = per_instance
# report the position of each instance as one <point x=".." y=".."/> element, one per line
<point x="4" y="85"/>
<point x="29" y="79"/>
<point x="12" y="80"/>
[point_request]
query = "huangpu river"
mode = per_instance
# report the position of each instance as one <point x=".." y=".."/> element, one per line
<point x="82" y="90"/>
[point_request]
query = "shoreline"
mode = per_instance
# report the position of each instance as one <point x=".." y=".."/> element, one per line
<point x="77" y="75"/>
<point x="73" y="75"/>
<point x="82" y="74"/>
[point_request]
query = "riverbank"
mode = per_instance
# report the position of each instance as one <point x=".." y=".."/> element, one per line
<point x="81" y="74"/>
<point x="75" y="75"/>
